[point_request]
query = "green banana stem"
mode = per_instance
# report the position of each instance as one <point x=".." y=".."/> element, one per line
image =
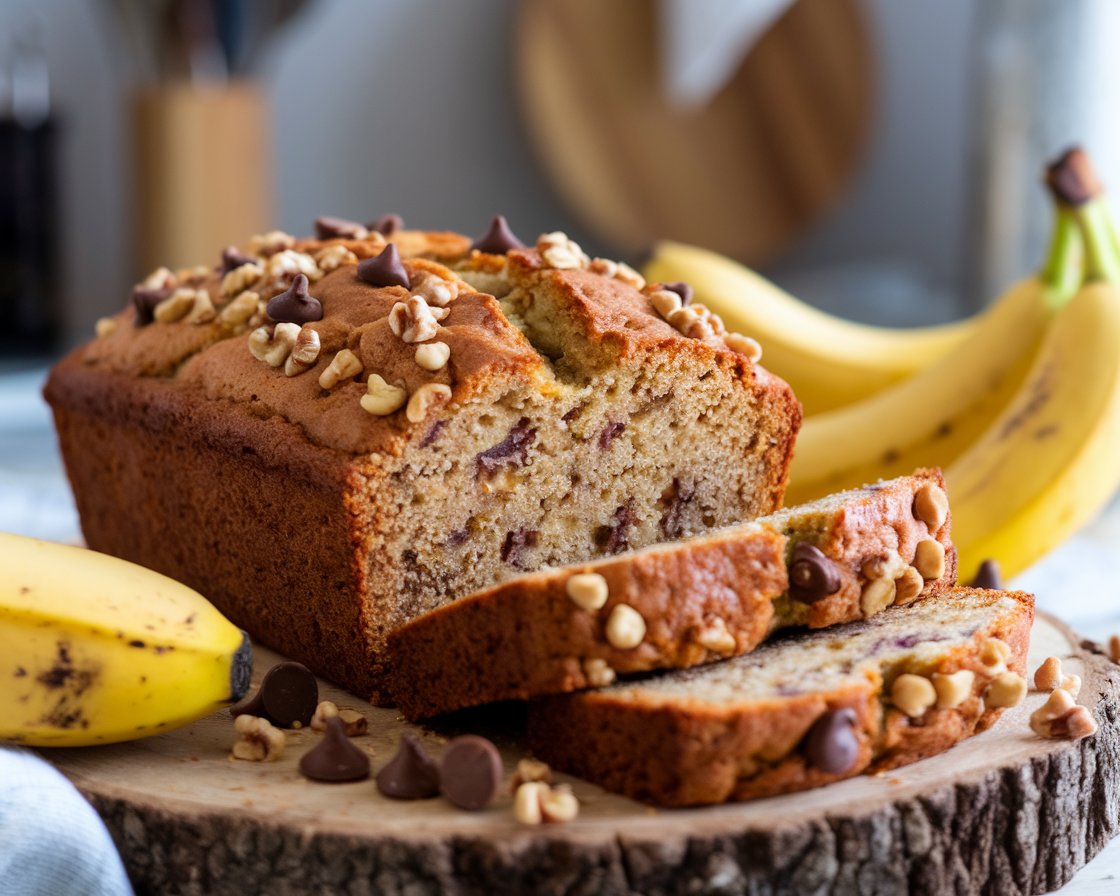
<point x="1102" y="256"/>
<point x="1062" y="271"/>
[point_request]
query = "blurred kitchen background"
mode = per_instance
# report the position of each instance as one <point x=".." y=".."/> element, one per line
<point x="878" y="157"/>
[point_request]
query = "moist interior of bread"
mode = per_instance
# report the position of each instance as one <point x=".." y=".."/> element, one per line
<point x="620" y="452"/>
<point x="900" y="639"/>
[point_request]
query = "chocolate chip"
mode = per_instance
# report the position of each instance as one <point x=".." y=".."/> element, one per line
<point x="674" y="501"/>
<point x="411" y="774"/>
<point x="233" y="258"/>
<point x="327" y="228"/>
<point x="471" y="772"/>
<point x="812" y="575"/>
<point x="831" y="744"/>
<point x="384" y="269"/>
<point x="514" y="448"/>
<point x="146" y="300"/>
<point x="499" y="239"/>
<point x="386" y="225"/>
<point x="610" y="432"/>
<point x="288" y="694"/>
<point x="295" y="305"/>
<point x="681" y="289"/>
<point x="988" y="576"/>
<point x="334" y="759"/>
<point x="517" y="543"/>
<point x="615" y="538"/>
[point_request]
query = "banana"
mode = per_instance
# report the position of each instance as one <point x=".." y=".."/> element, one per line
<point x="1051" y="459"/>
<point x="830" y="362"/>
<point x="935" y="415"/>
<point x="94" y="649"/>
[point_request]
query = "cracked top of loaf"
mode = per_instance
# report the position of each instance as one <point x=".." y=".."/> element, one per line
<point x="370" y="371"/>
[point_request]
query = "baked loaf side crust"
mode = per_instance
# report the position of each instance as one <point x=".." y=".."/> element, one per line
<point x="569" y="421"/>
<point x="703" y="741"/>
<point x="700" y="600"/>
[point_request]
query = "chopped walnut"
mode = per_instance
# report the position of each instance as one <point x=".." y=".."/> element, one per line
<point x="433" y="356"/>
<point x="343" y="366"/>
<point x="257" y="740"/>
<point x="424" y="399"/>
<point x="160" y="278"/>
<point x="413" y="320"/>
<point x="202" y="311"/>
<point x="240" y="279"/>
<point x="433" y="289"/>
<point x="530" y="770"/>
<point x="353" y="722"/>
<point x="715" y="637"/>
<point x="240" y="309"/>
<point x="629" y="276"/>
<point x="270" y="243"/>
<point x="665" y="302"/>
<point x="744" y="345"/>
<point x="598" y="672"/>
<point x="560" y="252"/>
<point x="535" y="802"/>
<point x="283" y="267"/>
<point x="382" y="398"/>
<point x="305" y="352"/>
<point x="273" y="347"/>
<point x="604" y="266"/>
<point x="105" y="326"/>
<point x="175" y="307"/>
<point x="334" y="256"/>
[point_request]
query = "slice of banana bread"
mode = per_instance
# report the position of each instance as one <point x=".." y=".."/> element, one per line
<point x="328" y="437"/>
<point x="679" y="604"/>
<point x="801" y="711"/>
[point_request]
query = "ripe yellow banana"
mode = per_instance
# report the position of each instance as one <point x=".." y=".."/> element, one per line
<point x="1051" y="460"/>
<point x="830" y="362"/>
<point x="94" y="649"/>
<point x="933" y="417"/>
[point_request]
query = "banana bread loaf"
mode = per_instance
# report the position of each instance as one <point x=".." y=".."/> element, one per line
<point x="330" y="436"/>
<point x="680" y="603"/>
<point x="801" y="711"/>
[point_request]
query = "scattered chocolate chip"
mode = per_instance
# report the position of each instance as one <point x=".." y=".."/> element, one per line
<point x="831" y="744"/>
<point x="233" y="258"/>
<point x="674" y="501"/>
<point x="411" y="774"/>
<point x="432" y="434"/>
<point x="516" y="544"/>
<point x="499" y="239"/>
<point x="681" y="289"/>
<point x="471" y="772"/>
<point x="328" y="228"/>
<point x="384" y="269"/>
<point x="988" y="576"/>
<point x="615" y="538"/>
<point x="288" y="695"/>
<point x="812" y="575"/>
<point x="145" y="300"/>
<point x="295" y="305"/>
<point x="386" y="225"/>
<point x="334" y="759"/>
<point x="514" y="448"/>
<point x="610" y="432"/>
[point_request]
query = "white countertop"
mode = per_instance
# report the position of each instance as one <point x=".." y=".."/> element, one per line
<point x="1076" y="582"/>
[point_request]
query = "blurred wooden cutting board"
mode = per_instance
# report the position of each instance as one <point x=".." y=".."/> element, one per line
<point x="743" y="175"/>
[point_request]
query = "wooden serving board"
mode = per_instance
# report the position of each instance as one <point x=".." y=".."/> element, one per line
<point x="1005" y="812"/>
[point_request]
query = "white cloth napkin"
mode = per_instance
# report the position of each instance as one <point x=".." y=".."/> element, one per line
<point x="704" y="41"/>
<point x="51" y="841"/>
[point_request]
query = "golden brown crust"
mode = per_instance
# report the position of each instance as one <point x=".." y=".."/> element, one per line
<point x="674" y="751"/>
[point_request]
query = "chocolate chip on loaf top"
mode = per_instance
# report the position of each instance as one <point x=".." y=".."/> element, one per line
<point x="327" y="452"/>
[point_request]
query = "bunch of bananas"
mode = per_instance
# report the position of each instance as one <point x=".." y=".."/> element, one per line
<point x="1019" y="405"/>
<point x="95" y="650"/>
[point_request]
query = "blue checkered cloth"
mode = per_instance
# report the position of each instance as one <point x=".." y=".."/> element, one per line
<point x="52" y="843"/>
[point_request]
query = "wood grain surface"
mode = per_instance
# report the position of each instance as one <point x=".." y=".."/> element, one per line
<point x="1003" y="813"/>
<point x="744" y="174"/>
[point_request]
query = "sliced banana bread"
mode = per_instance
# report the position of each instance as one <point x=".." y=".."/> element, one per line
<point x="801" y="711"/>
<point x="328" y="437"/>
<point x="681" y="603"/>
